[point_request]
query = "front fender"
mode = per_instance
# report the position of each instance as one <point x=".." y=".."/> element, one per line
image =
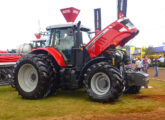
<point x="136" y="78"/>
<point x="55" y="53"/>
<point x="97" y="60"/>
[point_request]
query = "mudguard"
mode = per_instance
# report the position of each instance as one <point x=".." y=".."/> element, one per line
<point x="136" y="78"/>
<point x="55" y="53"/>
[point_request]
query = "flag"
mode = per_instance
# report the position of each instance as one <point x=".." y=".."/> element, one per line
<point x="132" y="49"/>
<point x="121" y="8"/>
<point x="143" y="49"/>
<point x="97" y="17"/>
<point x="124" y="49"/>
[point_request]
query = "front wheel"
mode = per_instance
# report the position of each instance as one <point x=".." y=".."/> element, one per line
<point x="103" y="83"/>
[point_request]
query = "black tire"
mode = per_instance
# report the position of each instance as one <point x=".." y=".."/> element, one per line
<point x="54" y="82"/>
<point x="108" y="85"/>
<point x="34" y="76"/>
<point x="133" y="90"/>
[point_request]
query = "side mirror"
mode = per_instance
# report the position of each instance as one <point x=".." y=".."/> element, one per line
<point x="78" y="24"/>
<point x="84" y="29"/>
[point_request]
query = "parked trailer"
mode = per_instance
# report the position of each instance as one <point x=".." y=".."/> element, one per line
<point x="6" y="73"/>
<point x="7" y="62"/>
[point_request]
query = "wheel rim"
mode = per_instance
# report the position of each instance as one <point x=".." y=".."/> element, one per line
<point x="100" y="83"/>
<point x="28" y="77"/>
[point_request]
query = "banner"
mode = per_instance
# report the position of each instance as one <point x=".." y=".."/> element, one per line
<point x="122" y="8"/>
<point x="70" y="14"/>
<point x="132" y="49"/>
<point x="124" y="49"/>
<point x="97" y="17"/>
<point x="143" y="50"/>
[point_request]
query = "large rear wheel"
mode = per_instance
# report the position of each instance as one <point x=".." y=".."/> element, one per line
<point x="103" y="83"/>
<point x="34" y="76"/>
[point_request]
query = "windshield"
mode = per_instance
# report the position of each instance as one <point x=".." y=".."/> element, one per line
<point x="62" y="40"/>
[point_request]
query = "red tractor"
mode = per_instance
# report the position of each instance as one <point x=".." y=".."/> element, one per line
<point x="67" y="63"/>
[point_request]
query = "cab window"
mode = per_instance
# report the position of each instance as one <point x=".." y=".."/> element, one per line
<point x="62" y="40"/>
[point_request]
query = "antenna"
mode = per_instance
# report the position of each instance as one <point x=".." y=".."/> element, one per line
<point x="39" y="26"/>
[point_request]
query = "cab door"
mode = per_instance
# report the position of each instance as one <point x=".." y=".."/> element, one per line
<point x="63" y="42"/>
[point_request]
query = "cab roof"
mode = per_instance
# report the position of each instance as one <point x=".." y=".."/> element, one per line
<point x="63" y="26"/>
<point x="60" y="26"/>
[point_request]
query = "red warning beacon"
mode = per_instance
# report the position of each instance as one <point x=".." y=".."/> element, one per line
<point x="38" y="35"/>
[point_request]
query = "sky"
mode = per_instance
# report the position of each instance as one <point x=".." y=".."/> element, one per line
<point x="19" y="18"/>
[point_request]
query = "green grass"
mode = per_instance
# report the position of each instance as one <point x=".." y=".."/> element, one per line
<point x="76" y="103"/>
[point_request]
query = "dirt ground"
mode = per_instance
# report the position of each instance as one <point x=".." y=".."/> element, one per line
<point x="161" y="76"/>
<point x="154" y="115"/>
<point x="158" y="114"/>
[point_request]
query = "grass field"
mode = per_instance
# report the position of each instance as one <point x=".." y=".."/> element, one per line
<point x="77" y="103"/>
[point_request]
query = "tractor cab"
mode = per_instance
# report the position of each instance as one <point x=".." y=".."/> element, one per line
<point x="67" y="39"/>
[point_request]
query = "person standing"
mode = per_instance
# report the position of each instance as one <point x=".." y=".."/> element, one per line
<point x="145" y="64"/>
<point x="149" y="63"/>
<point x="156" y="67"/>
<point x="138" y="65"/>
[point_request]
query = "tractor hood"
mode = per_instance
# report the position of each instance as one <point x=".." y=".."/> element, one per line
<point x="117" y="33"/>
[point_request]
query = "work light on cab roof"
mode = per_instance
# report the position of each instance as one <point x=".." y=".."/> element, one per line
<point x="70" y="14"/>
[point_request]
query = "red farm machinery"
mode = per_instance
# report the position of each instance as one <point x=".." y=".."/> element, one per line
<point x="7" y="62"/>
<point x="67" y="63"/>
<point x="9" y="58"/>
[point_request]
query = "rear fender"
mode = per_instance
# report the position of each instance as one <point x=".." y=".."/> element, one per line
<point x="56" y="54"/>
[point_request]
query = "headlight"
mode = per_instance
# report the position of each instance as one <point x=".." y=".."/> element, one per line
<point x="127" y="23"/>
<point x="130" y="26"/>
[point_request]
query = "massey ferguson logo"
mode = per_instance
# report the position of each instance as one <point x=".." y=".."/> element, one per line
<point x="66" y="11"/>
<point x="70" y="14"/>
<point x="75" y="11"/>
